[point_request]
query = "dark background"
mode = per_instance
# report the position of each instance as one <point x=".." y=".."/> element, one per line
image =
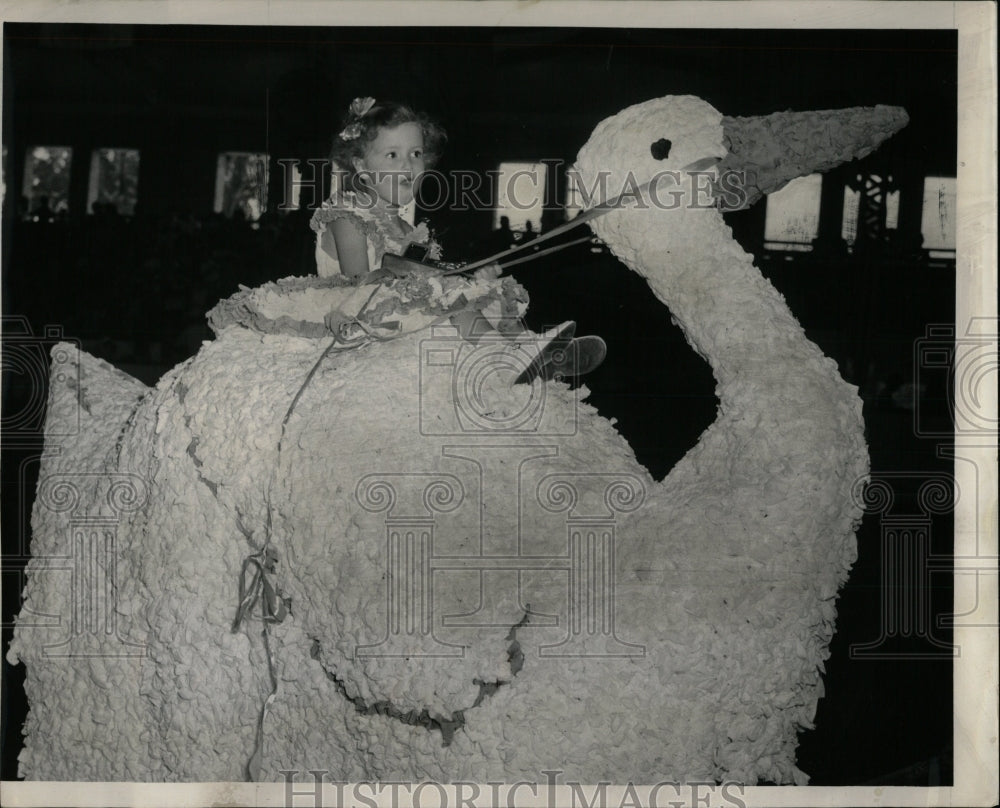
<point x="134" y="291"/>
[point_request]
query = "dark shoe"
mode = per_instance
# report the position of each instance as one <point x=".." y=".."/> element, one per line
<point x="563" y="356"/>
<point x="552" y="342"/>
<point x="581" y="356"/>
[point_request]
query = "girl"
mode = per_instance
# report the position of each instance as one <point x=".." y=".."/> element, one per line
<point x="382" y="152"/>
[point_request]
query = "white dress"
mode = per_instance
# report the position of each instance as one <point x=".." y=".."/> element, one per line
<point x="388" y="232"/>
<point x="385" y="232"/>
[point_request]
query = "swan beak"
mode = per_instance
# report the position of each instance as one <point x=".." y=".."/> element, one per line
<point x="767" y="152"/>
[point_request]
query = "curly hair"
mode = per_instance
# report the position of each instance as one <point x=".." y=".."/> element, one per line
<point x="381" y="115"/>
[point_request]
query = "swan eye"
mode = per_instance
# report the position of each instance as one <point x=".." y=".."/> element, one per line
<point x="660" y="149"/>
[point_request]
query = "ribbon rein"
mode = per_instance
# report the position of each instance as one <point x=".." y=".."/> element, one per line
<point x="500" y="256"/>
<point x="588" y="215"/>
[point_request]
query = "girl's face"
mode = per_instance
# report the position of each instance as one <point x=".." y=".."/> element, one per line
<point x="394" y="163"/>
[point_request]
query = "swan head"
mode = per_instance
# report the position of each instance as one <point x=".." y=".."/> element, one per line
<point x="672" y="139"/>
<point x="657" y="142"/>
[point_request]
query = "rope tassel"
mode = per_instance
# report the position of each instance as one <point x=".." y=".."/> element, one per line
<point x="274" y="607"/>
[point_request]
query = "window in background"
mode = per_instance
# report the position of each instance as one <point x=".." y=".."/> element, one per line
<point x="892" y="210"/>
<point x="241" y="184"/>
<point x="849" y="223"/>
<point x="938" y="221"/>
<point x="46" y="178"/>
<point x="874" y="189"/>
<point x="792" y="218"/>
<point x="114" y="180"/>
<point x="520" y="195"/>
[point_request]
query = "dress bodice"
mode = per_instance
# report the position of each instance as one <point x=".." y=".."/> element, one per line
<point x="384" y="230"/>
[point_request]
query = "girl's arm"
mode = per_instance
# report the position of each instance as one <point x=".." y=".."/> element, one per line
<point x="352" y="247"/>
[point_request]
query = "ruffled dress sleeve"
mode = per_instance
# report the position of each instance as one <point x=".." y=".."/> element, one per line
<point x="384" y="233"/>
<point x="344" y="206"/>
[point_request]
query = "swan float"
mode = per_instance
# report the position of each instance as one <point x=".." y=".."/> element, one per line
<point x="380" y="560"/>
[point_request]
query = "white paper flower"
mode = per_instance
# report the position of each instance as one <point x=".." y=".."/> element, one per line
<point x="361" y="106"/>
<point x="351" y="131"/>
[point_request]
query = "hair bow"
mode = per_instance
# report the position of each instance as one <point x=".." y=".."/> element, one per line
<point x="359" y="108"/>
<point x="351" y="131"/>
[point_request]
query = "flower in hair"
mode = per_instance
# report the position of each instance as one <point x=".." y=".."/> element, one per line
<point x="351" y="131"/>
<point x="361" y="106"/>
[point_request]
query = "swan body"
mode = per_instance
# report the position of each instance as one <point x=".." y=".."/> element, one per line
<point x="481" y="582"/>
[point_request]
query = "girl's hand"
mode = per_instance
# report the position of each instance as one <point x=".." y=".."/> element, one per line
<point x="490" y="272"/>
